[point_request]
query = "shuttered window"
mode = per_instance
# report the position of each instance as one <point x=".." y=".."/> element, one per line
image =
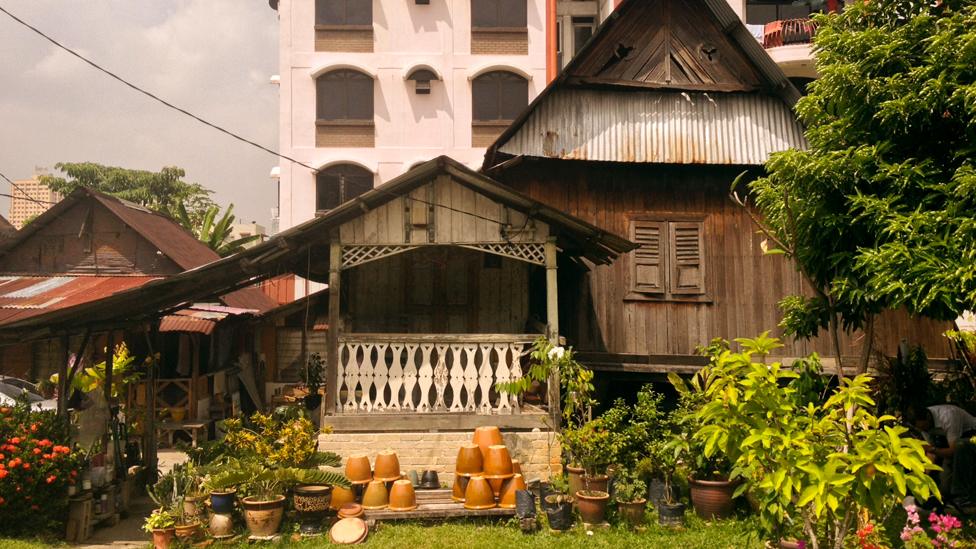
<point x="486" y="14"/>
<point x="498" y="96"/>
<point x="344" y="12"/>
<point x="670" y="262"/>
<point x="344" y="95"/>
<point x="340" y="183"/>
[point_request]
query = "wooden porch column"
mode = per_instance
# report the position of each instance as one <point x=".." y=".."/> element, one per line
<point x="552" y="327"/>
<point x="332" y="358"/>
<point x="63" y="375"/>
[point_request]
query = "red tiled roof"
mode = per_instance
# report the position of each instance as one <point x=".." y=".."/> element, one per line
<point x="27" y="296"/>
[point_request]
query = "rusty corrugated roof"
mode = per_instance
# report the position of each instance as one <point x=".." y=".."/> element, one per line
<point x="183" y="323"/>
<point x="27" y="296"/>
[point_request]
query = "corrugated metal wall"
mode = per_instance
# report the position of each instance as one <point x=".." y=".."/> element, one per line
<point x="658" y="127"/>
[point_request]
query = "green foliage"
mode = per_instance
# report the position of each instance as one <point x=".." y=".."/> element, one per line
<point x="313" y="373"/>
<point x="213" y="231"/>
<point x="907" y="382"/>
<point x="815" y="467"/>
<point x="880" y="211"/>
<point x="159" y="519"/>
<point x="251" y="477"/>
<point x="628" y="486"/>
<point x="683" y="448"/>
<point x="93" y="378"/>
<point x="172" y="489"/>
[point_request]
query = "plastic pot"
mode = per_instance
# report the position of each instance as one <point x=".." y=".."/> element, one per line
<point x="560" y="514"/>
<point x="592" y="505"/>
<point x="263" y="518"/>
<point x="632" y="511"/>
<point x="312" y="401"/>
<point x="712" y="499"/>
<point x="671" y="514"/>
<point x="524" y="504"/>
<point x="222" y="502"/>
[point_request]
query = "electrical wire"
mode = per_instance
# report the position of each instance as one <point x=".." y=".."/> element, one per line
<point x="44" y="203"/>
<point x="207" y="122"/>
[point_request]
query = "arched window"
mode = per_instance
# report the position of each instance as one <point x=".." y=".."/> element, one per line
<point x="498" y="13"/>
<point x="498" y="96"/>
<point x="340" y="183"/>
<point x="343" y="95"/>
<point x="344" y="12"/>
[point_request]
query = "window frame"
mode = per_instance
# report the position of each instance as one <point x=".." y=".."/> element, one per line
<point x="342" y="199"/>
<point x="669" y="293"/>
<point x="347" y="121"/>
<point x="345" y="25"/>
<point x="475" y="121"/>
<point x="475" y="27"/>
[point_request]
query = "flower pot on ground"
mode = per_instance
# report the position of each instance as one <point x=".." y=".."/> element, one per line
<point x="599" y="483"/>
<point x="592" y="506"/>
<point x="712" y="499"/>
<point x="163" y="537"/>
<point x="311" y="503"/>
<point x="222" y="501"/>
<point x="188" y="532"/>
<point x="221" y="525"/>
<point x="559" y="512"/>
<point x="575" y="475"/>
<point x="161" y="524"/>
<point x="671" y="514"/>
<point x="263" y="514"/>
<point x="629" y="494"/>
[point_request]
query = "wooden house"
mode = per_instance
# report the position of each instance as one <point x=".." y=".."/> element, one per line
<point x="642" y="135"/>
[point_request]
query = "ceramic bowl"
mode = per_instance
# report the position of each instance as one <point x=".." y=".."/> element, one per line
<point x="376" y="496"/>
<point x="469" y="460"/>
<point x="507" y="498"/>
<point x="478" y="494"/>
<point x="387" y="466"/>
<point x="358" y="470"/>
<point x="486" y="436"/>
<point x="402" y="496"/>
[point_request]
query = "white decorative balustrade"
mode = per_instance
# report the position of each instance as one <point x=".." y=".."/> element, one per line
<point x="429" y="372"/>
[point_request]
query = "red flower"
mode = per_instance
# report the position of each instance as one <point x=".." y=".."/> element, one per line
<point x="12" y="464"/>
<point x="36" y="451"/>
<point x="26" y="466"/>
<point x="44" y="443"/>
<point x="2" y="501"/>
<point x="35" y="508"/>
<point x="33" y="427"/>
<point x="47" y="456"/>
<point x="3" y="474"/>
<point x="2" y="457"/>
<point x="51" y="479"/>
<point x="15" y="440"/>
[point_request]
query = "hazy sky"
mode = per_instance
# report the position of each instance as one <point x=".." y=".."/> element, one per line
<point x="212" y="57"/>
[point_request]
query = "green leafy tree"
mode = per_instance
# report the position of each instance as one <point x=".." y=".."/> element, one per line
<point x="163" y="191"/>
<point x="215" y="232"/>
<point x="880" y="211"/>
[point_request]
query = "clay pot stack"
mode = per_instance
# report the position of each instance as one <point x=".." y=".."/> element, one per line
<point x="485" y="468"/>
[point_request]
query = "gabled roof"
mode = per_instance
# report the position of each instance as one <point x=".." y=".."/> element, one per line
<point x="667" y="81"/>
<point x="304" y="249"/>
<point x="7" y="230"/>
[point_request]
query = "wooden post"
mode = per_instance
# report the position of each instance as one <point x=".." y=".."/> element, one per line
<point x="332" y="358"/>
<point x="149" y="452"/>
<point x="109" y="367"/>
<point x="552" y="327"/>
<point x="63" y="375"/>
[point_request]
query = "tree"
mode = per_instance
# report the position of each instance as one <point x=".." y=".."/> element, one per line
<point x="160" y="191"/>
<point x="880" y="211"/>
<point x="217" y="236"/>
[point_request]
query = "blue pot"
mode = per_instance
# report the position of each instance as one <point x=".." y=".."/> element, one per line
<point x="223" y="502"/>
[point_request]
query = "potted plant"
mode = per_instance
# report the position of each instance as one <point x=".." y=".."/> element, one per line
<point x="161" y="525"/>
<point x="662" y="463"/>
<point x="170" y="493"/>
<point x="630" y="492"/>
<point x="313" y="381"/>
<point x="558" y="505"/>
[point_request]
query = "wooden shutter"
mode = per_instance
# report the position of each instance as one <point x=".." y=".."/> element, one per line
<point x="687" y="258"/>
<point x="648" y="268"/>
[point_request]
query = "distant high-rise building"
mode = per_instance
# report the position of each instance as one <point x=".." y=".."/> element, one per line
<point x="30" y="198"/>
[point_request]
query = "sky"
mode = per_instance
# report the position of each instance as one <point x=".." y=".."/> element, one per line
<point x="214" y="58"/>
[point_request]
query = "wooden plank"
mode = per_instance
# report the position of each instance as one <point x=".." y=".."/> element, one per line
<point x="530" y="418"/>
<point x="332" y="354"/>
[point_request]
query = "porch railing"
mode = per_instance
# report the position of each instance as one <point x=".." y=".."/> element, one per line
<point x="429" y="372"/>
<point x="788" y="31"/>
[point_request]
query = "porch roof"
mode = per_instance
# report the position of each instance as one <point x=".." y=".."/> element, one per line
<point x="304" y="250"/>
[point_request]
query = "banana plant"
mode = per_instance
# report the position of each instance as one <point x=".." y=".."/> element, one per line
<point x="213" y="231"/>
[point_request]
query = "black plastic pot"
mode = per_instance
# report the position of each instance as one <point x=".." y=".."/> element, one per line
<point x="560" y="514"/>
<point x="313" y="401"/>
<point x="524" y="504"/>
<point x="671" y="515"/>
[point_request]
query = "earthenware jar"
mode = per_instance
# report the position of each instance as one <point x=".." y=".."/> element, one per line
<point x="429" y="480"/>
<point x="223" y="501"/>
<point x="351" y="510"/>
<point x="507" y="498"/>
<point x="311" y="503"/>
<point x="221" y="525"/>
<point x="592" y="506"/>
<point x="358" y="470"/>
<point x="376" y="496"/>
<point x="478" y="494"/>
<point x="188" y="532"/>
<point x="263" y="518"/>
<point x="387" y="466"/>
<point x="498" y="467"/>
<point x="163" y="537"/>
<point x="402" y="496"/>
<point x="632" y="511"/>
<point x="469" y="460"/>
<point x="486" y="436"/>
<point x="341" y="496"/>
<point x="193" y="507"/>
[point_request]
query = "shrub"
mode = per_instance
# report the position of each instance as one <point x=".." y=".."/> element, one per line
<point x="36" y="466"/>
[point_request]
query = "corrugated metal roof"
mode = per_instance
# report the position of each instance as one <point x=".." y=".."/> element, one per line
<point x="658" y="126"/>
<point x="27" y="296"/>
<point x="182" y="323"/>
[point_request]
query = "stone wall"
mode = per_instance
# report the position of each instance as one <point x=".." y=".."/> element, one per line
<point x="438" y="451"/>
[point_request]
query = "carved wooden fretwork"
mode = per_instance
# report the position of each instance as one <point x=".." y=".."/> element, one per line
<point x="528" y="252"/>
<point x="357" y="255"/>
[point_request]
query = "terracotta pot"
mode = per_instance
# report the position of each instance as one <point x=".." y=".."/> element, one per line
<point x="193" y="507"/>
<point x="348" y="531"/>
<point x="187" y="532"/>
<point x="177" y="414"/>
<point x="575" y="475"/>
<point x="712" y="499"/>
<point x="633" y="511"/>
<point x="460" y="483"/>
<point x="498" y="464"/>
<point x="358" y="470"/>
<point x="593" y="506"/>
<point x="478" y="494"/>
<point x="516" y="467"/>
<point x="486" y="436"/>
<point x="223" y="501"/>
<point x="376" y="496"/>
<point x="671" y="514"/>
<point x="351" y="510"/>
<point x="387" y="466"/>
<point x="507" y="498"/>
<point x="221" y="525"/>
<point x="312" y="499"/>
<point x="596" y="483"/>
<point x="263" y="518"/>
<point x="469" y="460"/>
<point x="340" y="497"/>
<point x="162" y="538"/>
<point x="402" y="496"/>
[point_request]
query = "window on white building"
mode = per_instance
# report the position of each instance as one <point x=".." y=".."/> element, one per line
<point x="344" y="12"/>
<point x="498" y="96"/>
<point x="340" y="183"/>
<point x="344" y="95"/>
